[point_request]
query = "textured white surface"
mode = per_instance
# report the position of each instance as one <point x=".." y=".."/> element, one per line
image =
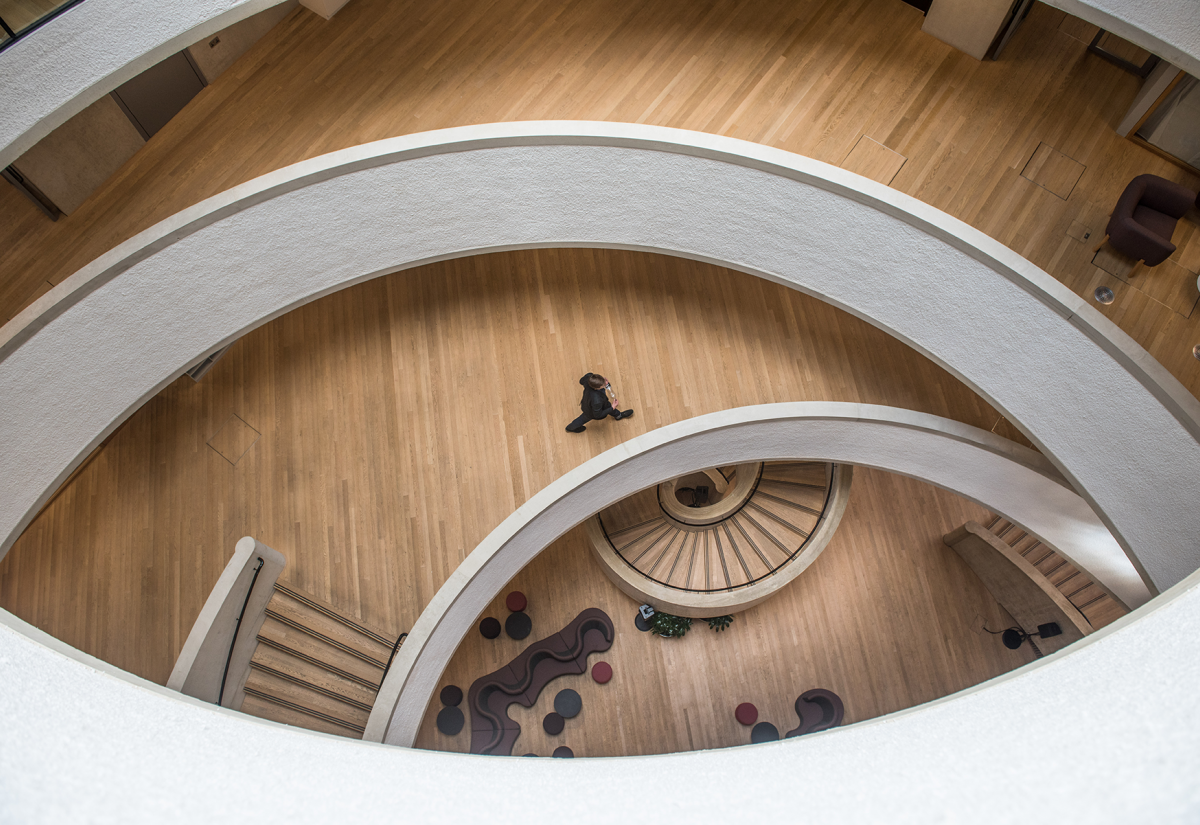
<point x="1054" y="366"/>
<point x="1103" y="734"/>
<point x="1011" y="479"/>
<point x="93" y="48"/>
<point x="1167" y="28"/>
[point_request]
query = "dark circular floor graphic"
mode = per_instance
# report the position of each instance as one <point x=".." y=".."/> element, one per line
<point x="568" y="703"/>
<point x="641" y="623"/>
<point x="451" y="695"/>
<point x="553" y="724"/>
<point x="516" y="601"/>
<point x="450" y="721"/>
<point x="746" y="713"/>
<point x="490" y="628"/>
<point x="764" y="732"/>
<point x="518" y="625"/>
<point x="531" y="754"/>
<point x="563" y="752"/>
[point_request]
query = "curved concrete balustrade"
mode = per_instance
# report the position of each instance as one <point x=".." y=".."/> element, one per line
<point x="1043" y="355"/>
<point x="1012" y="480"/>
<point x="84" y="742"/>
<point x="85" y="53"/>
<point x="1167" y="28"/>
<point x="1063" y="373"/>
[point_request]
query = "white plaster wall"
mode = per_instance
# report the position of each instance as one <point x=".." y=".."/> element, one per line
<point x="93" y="48"/>
<point x="1059" y="370"/>
<point x="1112" y="723"/>
<point x="1015" y="481"/>
<point x="1167" y="28"/>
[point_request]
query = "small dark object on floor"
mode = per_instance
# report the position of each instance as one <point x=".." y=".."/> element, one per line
<point x="516" y="601"/>
<point x="518" y="625"/>
<point x="450" y="721"/>
<point x="451" y="695"/>
<point x="746" y="713"/>
<point x="764" y="732"/>
<point x="530" y="754"/>
<point x="489" y="628"/>
<point x="602" y="672"/>
<point x="563" y="752"/>
<point x="568" y="703"/>
<point x="641" y="623"/>
<point x="553" y="724"/>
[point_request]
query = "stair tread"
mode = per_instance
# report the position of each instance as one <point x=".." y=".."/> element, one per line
<point x="286" y="606"/>
<point x="264" y="709"/>
<point x="283" y="662"/>
<point x="309" y="645"/>
<point x="284" y="588"/>
<point x="279" y="688"/>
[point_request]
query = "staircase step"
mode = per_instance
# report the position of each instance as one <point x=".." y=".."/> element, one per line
<point x="384" y="637"/>
<point x="288" y="608"/>
<point x="265" y="709"/>
<point x="636" y="509"/>
<point x="307" y="646"/>
<point x="811" y="473"/>
<point x="276" y="687"/>
<point x="280" y="661"/>
<point x="645" y="543"/>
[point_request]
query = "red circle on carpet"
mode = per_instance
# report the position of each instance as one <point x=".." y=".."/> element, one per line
<point x="516" y="601"/>
<point x="602" y="672"/>
<point x="746" y="713"/>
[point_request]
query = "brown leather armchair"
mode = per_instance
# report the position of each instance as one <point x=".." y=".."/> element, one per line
<point x="1145" y="216"/>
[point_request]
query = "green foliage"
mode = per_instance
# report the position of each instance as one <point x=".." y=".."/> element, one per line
<point x="719" y="623"/>
<point x="674" y="626"/>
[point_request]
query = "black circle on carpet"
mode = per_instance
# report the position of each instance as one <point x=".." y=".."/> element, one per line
<point x="450" y="721"/>
<point x="451" y="695"/>
<point x="553" y="724"/>
<point x="568" y="703"/>
<point x="518" y="625"/>
<point x="641" y="623"/>
<point x="563" y="752"/>
<point x="764" y="732"/>
<point x="489" y="628"/>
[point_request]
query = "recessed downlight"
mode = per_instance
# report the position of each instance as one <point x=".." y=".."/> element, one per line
<point x="1104" y="295"/>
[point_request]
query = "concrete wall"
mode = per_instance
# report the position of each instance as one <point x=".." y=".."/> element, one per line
<point x="234" y="41"/>
<point x="78" y="157"/>
<point x="200" y="668"/>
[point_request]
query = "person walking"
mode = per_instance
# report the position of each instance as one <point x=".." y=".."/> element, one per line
<point x="598" y="402"/>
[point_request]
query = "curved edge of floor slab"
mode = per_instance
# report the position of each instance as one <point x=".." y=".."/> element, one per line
<point x="294" y="235"/>
<point x="1012" y="480"/>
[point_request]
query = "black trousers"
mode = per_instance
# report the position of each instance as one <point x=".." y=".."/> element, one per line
<point x="579" y="422"/>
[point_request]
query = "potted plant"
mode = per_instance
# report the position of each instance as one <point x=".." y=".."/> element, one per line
<point x="719" y="623"/>
<point x="669" y="626"/>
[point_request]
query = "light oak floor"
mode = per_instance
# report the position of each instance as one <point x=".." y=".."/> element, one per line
<point x="400" y="421"/>
<point x="887" y="617"/>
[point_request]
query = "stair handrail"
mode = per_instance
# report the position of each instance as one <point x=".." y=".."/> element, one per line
<point x="236" y="628"/>
<point x="395" y="648"/>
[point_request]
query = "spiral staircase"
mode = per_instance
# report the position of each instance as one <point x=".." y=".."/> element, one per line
<point x="722" y="539"/>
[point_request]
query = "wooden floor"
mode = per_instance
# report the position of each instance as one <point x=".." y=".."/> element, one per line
<point x="887" y="617"/>
<point x="393" y="425"/>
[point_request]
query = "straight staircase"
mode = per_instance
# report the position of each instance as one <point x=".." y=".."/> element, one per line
<point x="1096" y="604"/>
<point x="316" y="667"/>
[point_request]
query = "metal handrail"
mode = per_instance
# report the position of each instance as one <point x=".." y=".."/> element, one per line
<point x="395" y="648"/>
<point x="236" y="628"/>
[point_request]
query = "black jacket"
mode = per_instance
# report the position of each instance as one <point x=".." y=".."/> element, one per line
<point x="594" y="402"/>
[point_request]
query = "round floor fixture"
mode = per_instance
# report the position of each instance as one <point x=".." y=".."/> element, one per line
<point x="722" y="539"/>
<point x="1103" y="295"/>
